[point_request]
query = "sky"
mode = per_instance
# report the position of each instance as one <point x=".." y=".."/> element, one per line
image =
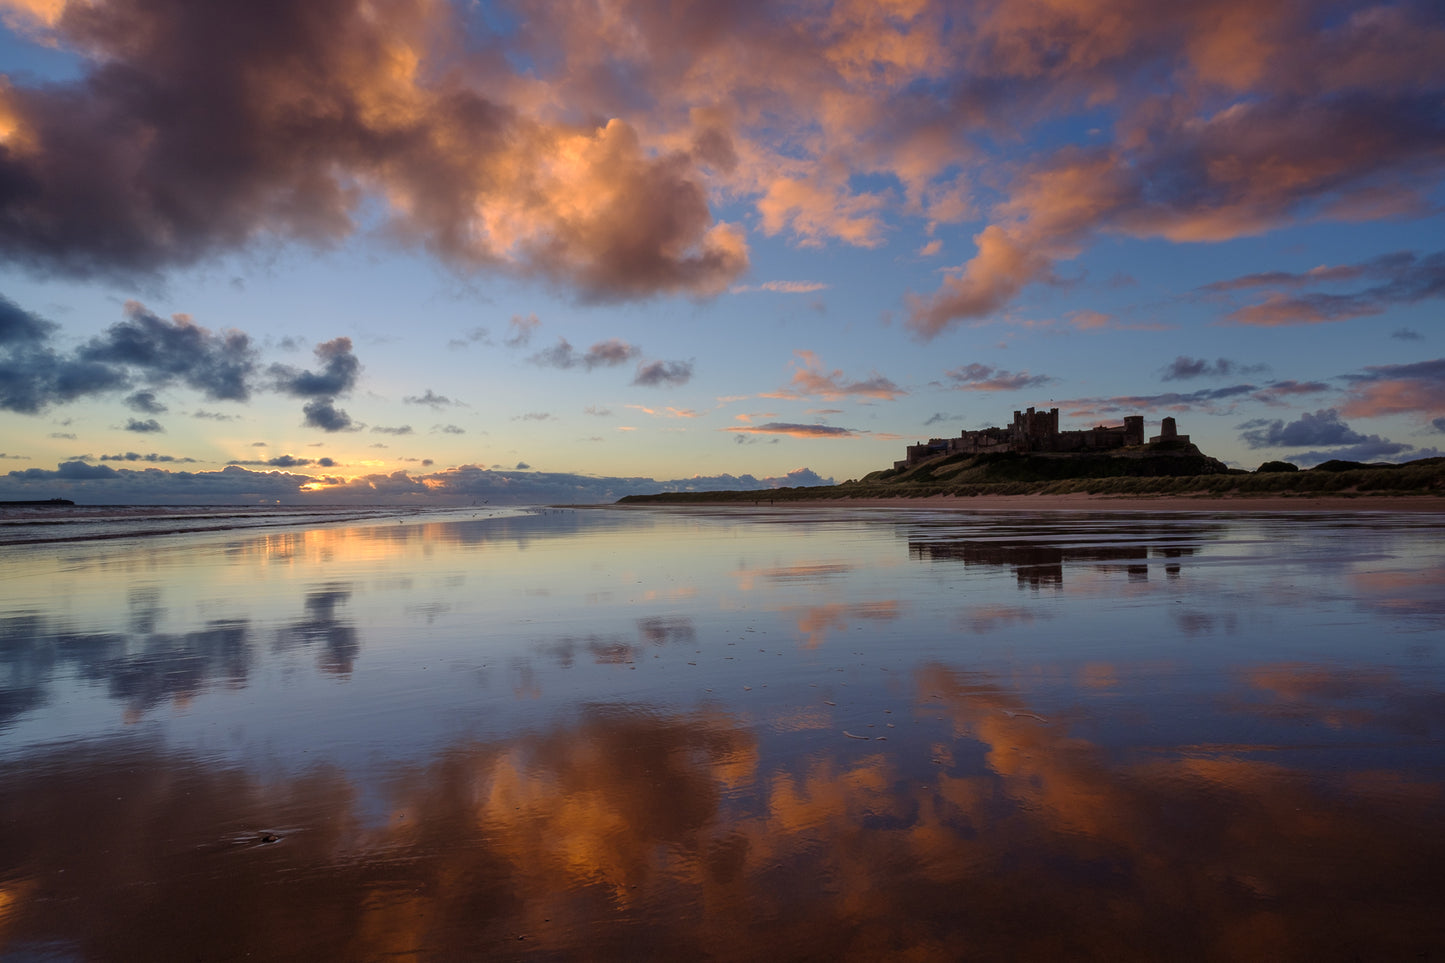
<point x="433" y="252"/>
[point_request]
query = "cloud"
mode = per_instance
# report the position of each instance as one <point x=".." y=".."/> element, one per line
<point x="795" y="431"/>
<point x="322" y="413"/>
<point x="339" y="370"/>
<point x="34" y="376"/>
<point x="285" y="461"/>
<point x="150" y="457"/>
<point x="519" y="486"/>
<point x="450" y="429"/>
<point x="397" y="430"/>
<point x="534" y="416"/>
<point x="1274" y="392"/>
<point x="1204" y="400"/>
<point x="658" y="374"/>
<point x="481" y="183"/>
<point x="1184" y="368"/>
<point x="1397" y="389"/>
<point x="474" y="336"/>
<point x="521" y="329"/>
<point x="217" y="365"/>
<point x="981" y="377"/>
<point x="145" y="402"/>
<point x="1406" y="334"/>
<point x="149" y="426"/>
<point x="1326" y="428"/>
<point x="1374" y="448"/>
<point x="810" y="381"/>
<point x="1323" y="427"/>
<point x="214" y="416"/>
<point x="603" y="354"/>
<point x="431" y="399"/>
<point x="1403" y="278"/>
<point x="781" y="287"/>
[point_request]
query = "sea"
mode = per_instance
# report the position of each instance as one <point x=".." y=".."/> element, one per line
<point x="721" y="733"/>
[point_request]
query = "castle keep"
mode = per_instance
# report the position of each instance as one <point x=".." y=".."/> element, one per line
<point x="1038" y="431"/>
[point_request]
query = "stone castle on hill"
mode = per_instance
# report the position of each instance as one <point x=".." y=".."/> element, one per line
<point x="1038" y="431"/>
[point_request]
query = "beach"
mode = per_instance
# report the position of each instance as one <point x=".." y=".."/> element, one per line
<point x="1429" y="504"/>
<point x="926" y="730"/>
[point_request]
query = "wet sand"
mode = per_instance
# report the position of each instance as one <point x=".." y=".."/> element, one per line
<point x="1125" y="503"/>
<point x="732" y="734"/>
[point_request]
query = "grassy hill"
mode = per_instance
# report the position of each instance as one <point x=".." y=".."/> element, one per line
<point x="1164" y="469"/>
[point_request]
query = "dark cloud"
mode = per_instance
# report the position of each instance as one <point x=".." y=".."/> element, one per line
<point x="148" y="426"/>
<point x="1438" y="424"/>
<point x="450" y="429"/>
<point x="33" y="376"/>
<point x="397" y="430"/>
<point x="431" y="399"/>
<point x="603" y="354"/>
<point x="150" y="457"/>
<point x="160" y="351"/>
<point x="214" y="416"/>
<point x="670" y="374"/>
<point x="339" y="370"/>
<point x="938" y="417"/>
<point x="1184" y="368"/>
<point x="18" y="326"/>
<point x="145" y="402"/>
<point x="1373" y="449"/>
<point x="534" y="416"/>
<point x="144" y="347"/>
<point x="322" y="413"/>
<point x="982" y="377"/>
<point x="193" y="133"/>
<point x="1406" y="334"/>
<point x="518" y="486"/>
<point x="285" y="461"/>
<point x="523" y="466"/>
<point x="1324" y="427"/>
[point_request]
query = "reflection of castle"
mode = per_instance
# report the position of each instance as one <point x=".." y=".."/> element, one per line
<point x="1039" y="431"/>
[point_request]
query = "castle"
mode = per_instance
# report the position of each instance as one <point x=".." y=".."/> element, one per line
<point x="1035" y="431"/>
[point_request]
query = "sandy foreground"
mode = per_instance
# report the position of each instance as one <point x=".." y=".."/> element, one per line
<point x="1125" y="503"/>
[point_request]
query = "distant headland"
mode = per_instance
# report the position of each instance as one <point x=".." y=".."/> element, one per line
<point x="39" y="503"/>
<point x="1033" y="457"/>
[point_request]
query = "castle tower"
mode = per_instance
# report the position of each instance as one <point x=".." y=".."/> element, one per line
<point x="1134" y="429"/>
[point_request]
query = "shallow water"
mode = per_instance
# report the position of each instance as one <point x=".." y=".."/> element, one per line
<point x="729" y="734"/>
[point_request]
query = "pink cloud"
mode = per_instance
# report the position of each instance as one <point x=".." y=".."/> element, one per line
<point x="810" y="380"/>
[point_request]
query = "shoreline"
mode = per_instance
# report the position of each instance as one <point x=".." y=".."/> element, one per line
<point x="1411" y="504"/>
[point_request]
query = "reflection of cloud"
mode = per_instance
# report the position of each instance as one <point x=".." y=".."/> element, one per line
<point x="337" y="637"/>
<point x="983" y="619"/>
<point x="816" y="621"/>
<point x="142" y="669"/>
<point x="566" y="838"/>
<point x="1342" y="698"/>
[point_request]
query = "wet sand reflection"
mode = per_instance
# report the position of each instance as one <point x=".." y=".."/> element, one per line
<point x="634" y="736"/>
<point x="645" y="834"/>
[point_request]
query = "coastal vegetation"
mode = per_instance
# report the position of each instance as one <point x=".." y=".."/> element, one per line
<point x="1145" y="471"/>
